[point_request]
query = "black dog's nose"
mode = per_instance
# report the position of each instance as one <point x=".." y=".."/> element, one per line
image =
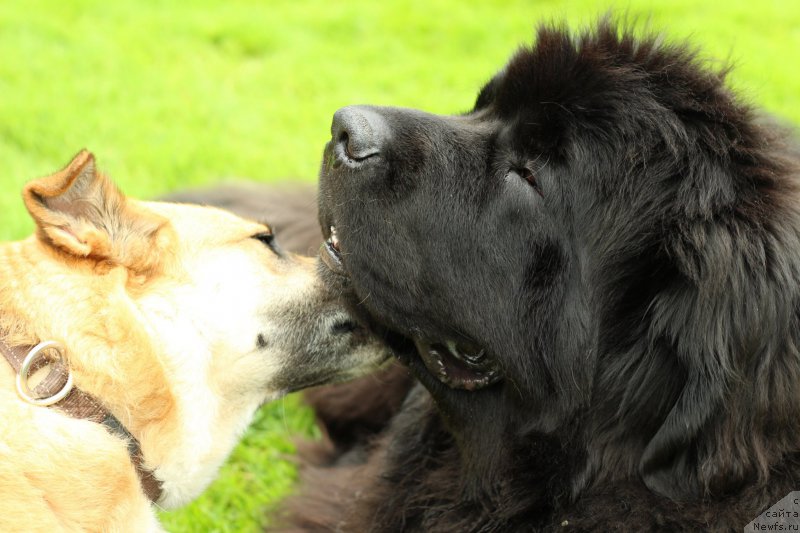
<point x="359" y="131"/>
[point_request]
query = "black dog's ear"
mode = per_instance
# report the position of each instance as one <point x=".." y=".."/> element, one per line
<point x="670" y="462"/>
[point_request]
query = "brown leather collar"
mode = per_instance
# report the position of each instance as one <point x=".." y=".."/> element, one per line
<point x="81" y="405"/>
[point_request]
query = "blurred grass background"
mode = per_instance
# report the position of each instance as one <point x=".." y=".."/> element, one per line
<point x="176" y="94"/>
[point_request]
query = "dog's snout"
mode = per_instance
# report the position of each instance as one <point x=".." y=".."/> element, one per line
<point x="358" y="133"/>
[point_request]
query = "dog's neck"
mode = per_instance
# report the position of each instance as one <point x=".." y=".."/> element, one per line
<point x="112" y="358"/>
<point x="151" y="376"/>
<point x="56" y="390"/>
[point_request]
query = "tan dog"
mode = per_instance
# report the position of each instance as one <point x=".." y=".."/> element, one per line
<point x="177" y="320"/>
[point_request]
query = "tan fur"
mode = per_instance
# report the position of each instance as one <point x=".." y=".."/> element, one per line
<point x="131" y="288"/>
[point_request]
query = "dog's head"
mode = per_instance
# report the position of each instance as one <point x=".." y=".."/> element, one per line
<point x="581" y="255"/>
<point x="174" y="314"/>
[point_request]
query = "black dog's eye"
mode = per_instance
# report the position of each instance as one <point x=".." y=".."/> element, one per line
<point x="268" y="239"/>
<point x="528" y="175"/>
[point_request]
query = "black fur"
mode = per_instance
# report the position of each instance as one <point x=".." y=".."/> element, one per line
<point x="641" y="300"/>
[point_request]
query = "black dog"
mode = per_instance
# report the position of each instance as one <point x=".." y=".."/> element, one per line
<point x="594" y="275"/>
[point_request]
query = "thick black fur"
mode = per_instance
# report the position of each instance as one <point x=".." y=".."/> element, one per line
<point x="640" y="299"/>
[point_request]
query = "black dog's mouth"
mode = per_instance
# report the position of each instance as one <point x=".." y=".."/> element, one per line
<point x="331" y="253"/>
<point x="459" y="366"/>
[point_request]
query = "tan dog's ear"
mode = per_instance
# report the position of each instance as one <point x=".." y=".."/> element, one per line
<point x="81" y="212"/>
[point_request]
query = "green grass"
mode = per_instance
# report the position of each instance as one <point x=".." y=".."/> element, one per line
<point x="173" y="94"/>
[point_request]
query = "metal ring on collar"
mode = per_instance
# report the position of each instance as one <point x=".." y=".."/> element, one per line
<point x="22" y="376"/>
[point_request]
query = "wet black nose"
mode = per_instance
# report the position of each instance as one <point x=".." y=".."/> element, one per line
<point x="359" y="132"/>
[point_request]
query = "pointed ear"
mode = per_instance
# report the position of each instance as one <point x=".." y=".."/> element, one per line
<point x="82" y="213"/>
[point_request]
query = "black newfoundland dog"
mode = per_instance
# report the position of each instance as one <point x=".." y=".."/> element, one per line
<point x="593" y="279"/>
<point x="593" y="275"/>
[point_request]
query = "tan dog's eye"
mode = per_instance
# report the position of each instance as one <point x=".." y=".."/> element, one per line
<point x="267" y="239"/>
